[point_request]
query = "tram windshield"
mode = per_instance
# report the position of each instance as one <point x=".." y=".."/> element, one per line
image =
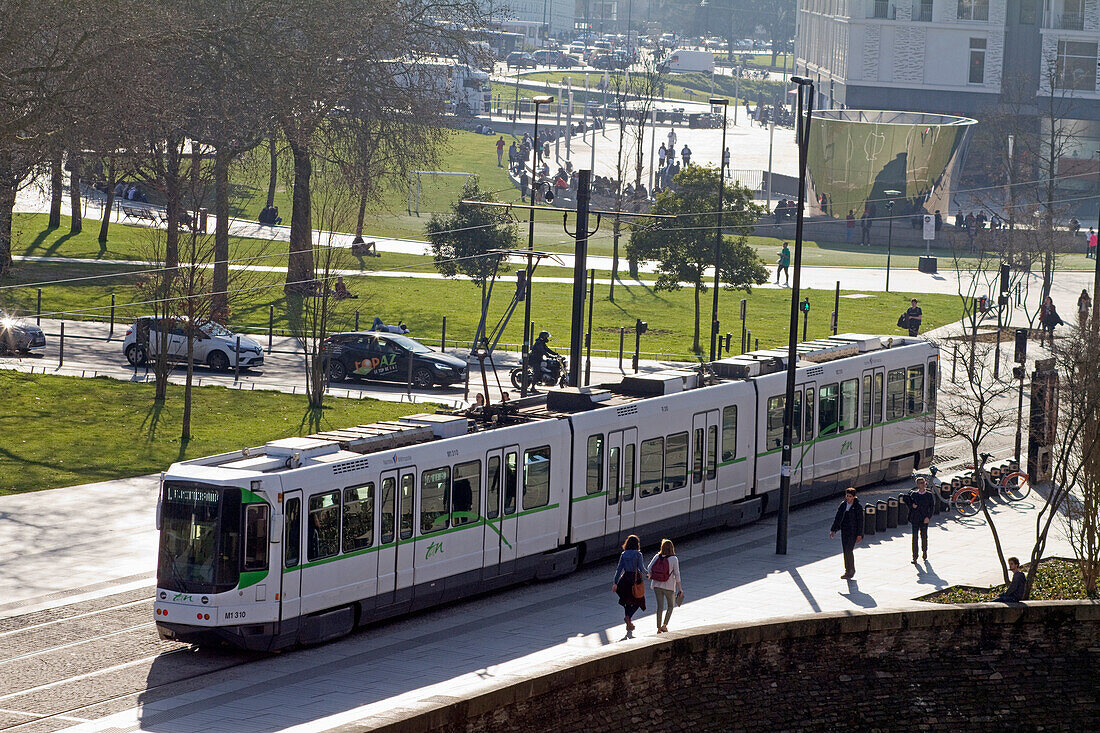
<point x="200" y="538"/>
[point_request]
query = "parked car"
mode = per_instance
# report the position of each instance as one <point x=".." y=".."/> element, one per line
<point x="214" y="344"/>
<point x="18" y="335"/>
<point x="385" y="356"/>
<point x="520" y="60"/>
<point x="566" y="61"/>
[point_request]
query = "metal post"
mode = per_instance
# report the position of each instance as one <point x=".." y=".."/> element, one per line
<point x="805" y="319"/>
<point x="802" y="125"/>
<point x="530" y="247"/>
<point x="771" y="147"/>
<point x="744" y="312"/>
<point x="889" y="241"/>
<point x="580" y="256"/>
<point x="271" y="325"/>
<point x="1096" y="270"/>
<point x="954" y="361"/>
<point x="356" y="319"/>
<point x="622" y="335"/>
<point x="637" y="347"/>
<point x="409" y="378"/>
<point x="61" y="346"/>
<point x="718" y="233"/>
<point x="111" y="332"/>
<point x="1019" y="415"/>
<point x="757" y="346"/>
<point x="442" y="336"/>
<point x="588" y="334"/>
<point x="997" y="351"/>
<point x="237" y="362"/>
<point x="836" y="308"/>
<point x="652" y="146"/>
<point x="38" y="309"/>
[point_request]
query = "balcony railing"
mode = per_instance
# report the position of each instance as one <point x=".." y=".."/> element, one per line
<point x="1064" y="21"/>
<point x="884" y="10"/>
<point x="923" y="12"/>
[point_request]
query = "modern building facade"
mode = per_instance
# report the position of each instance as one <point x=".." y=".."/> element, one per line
<point x="531" y="17"/>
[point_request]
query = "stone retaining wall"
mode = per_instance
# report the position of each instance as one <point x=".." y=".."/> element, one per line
<point x="980" y="667"/>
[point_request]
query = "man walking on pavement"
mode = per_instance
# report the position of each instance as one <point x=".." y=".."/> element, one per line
<point x="849" y="522"/>
<point x="784" y="263"/>
<point x="921" y="505"/>
<point x="672" y="139"/>
<point x="686" y="155"/>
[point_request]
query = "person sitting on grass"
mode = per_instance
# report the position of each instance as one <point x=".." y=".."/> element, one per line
<point x="342" y="292"/>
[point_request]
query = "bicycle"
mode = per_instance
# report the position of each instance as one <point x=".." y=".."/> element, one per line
<point x="1010" y="484"/>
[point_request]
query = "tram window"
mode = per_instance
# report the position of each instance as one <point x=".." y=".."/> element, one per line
<point x="653" y="466"/>
<point x="712" y="451"/>
<point x="914" y="392"/>
<point x="324" y="525"/>
<point x="866" y="400"/>
<point x="389" y="500"/>
<point x="876" y="402"/>
<point x="613" y="474"/>
<point x="292" y="533"/>
<point x="849" y="400"/>
<point x="594" y="467"/>
<point x="408" y="484"/>
<point x="466" y="494"/>
<point x="827" y="410"/>
<point x="227" y="567"/>
<point x="628" y="472"/>
<point x="774" y="437"/>
<point x="492" y="488"/>
<point x="933" y="385"/>
<point x="536" y="477"/>
<point x="255" y="537"/>
<point x="358" y="517"/>
<point x="676" y="461"/>
<point x="808" y="434"/>
<point x="511" y="477"/>
<point x="697" y="457"/>
<point x="729" y="433"/>
<point x="895" y="394"/>
<point x="435" y="495"/>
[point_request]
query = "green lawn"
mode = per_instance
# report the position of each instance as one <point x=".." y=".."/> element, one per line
<point x="110" y="429"/>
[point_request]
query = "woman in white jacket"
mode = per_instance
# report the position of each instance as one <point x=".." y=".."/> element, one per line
<point x="664" y="574"/>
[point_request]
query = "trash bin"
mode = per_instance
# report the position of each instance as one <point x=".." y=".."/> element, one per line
<point x="891" y="513"/>
<point x="869" y="521"/>
<point x="927" y="265"/>
<point x="903" y="510"/>
<point x="880" y="516"/>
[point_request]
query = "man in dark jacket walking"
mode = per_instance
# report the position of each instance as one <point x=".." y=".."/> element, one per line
<point x="921" y="505"/>
<point x="849" y="522"/>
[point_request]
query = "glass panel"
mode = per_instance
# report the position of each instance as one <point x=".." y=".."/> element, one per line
<point x="628" y="471"/>
<point x="774" y="436"/>
<point x="492" y="500"/>
<point x="676" y="463"/>
<point x="933" y="386"/>
<point x="292" y="533"/>
<point x="827" y="417"/>
<point x="808" y="435"/>
<point x="895" y="394"/>
<point x="594" y="471"/>
<point x="536" y="477"/>
<point x="200" y="538"/>
<point x="511" y="480"/>
<point x="613" y="475"/>
<point x="324" y="526"/>
<point x="729" y="433"/>
<point x="876" y="403"/>
<point x="849" y="401"/>
<point x="389" y="499"/>
<point x="255" y="537"/>
<point x="914" y="392"/>
<point x="408" y="482"/>
<point x="358" y="517"/>
<point x="977" y="66"/>
<point x="712" y="451"/>
<point x="866" y="400"/>
<point x="653" y="466"/>
<point x="466" y="494"/>
<point x="435" y="485"/>
<point x="697" y="457"/>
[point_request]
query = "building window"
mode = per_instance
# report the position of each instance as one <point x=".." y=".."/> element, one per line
<point x="922" y="11"/>
<point x="1028" y="11"/>
<point x="974" y="10"/>
<point x="977" y="60"/>
<point x="1076" y="66"/>
<point x="883" y="9"/>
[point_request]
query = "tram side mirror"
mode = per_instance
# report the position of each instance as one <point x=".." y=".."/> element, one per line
<point x="276" y="528"/>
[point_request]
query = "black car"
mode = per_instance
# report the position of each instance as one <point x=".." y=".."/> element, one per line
<point x="17" y="335"/>
<point x="385" y="356"/>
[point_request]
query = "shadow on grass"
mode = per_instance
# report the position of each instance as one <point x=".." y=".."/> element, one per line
<point x="152" y="420"/>
<point x="312" y="418"/>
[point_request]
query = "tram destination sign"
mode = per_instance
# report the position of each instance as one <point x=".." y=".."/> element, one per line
<point x="185" y="495"/>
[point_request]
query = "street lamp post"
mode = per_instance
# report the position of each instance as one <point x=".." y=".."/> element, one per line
<point x="1096" y="271"/>
<point x="538" y="101"/>
<point x="724" y="104"/>
<point x="890" y="232"/>
<point x="805" y="91"/>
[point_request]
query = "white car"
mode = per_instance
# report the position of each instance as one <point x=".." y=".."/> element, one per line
<point x="214" y="345"/>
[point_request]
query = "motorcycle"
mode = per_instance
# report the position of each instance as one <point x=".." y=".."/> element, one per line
<point x="553" y="373"/>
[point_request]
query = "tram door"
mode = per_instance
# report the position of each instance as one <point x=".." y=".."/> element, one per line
<point x="802" y="453"/>
<point x="501" y="486"/>
<point x="405" y="550"/>
<point x="614" y="483"/>
<point x="387" y="550"/>
<point x="290" y="605"/>
<point x="704" y="476"/>
<point x="623" y="449"/>
<point x="870" y="437"/>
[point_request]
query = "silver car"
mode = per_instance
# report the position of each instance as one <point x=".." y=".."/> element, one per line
<point x="214" y="344"/>
<point x="19" y="336"/>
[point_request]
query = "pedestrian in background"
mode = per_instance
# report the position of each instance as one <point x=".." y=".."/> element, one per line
<point x="630" y="575"/>
<point x="1091" y="244"/>
<point x="500" y="152"/>
<point x="850" y="227"/>
<point x="1084" y="305"/>
<point x="913" y="317"/>
<point x="685" y="154"/>
<point x="784" y="263"/>
<point x="849" y="522"/>
<point x="1048" y="319"/>
<point x="921" y="505"/>
<point x="664" y="578"/>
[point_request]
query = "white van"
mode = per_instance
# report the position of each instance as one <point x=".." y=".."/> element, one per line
<point x="684" y="60"/>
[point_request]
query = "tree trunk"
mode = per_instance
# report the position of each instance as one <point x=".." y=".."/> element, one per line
<point x="7" y="204"/>
<point x="219" y="306"/>
<point x="615" y="227"/>
<point x="76" y="225"/>
<point x="173" y="206"/>
<point x="185" y="432"/>
<point x="362" y="209"/>
<point x="695" y="348"/>
<point x="105" y="225"/>
<point x="274" y="174"/>
<point x="57" y="183"/>
<point x="299" y="274"/>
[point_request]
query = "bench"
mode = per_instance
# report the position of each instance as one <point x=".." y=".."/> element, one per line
<point x="140" y="212"/>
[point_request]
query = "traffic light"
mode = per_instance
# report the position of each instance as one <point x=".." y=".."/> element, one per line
<point x="1004" y="277"/>
<point x="1021" y="346"/>
<point x="804" y="306"/>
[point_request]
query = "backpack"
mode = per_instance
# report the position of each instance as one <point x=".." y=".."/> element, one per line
<point x="903" y="320"/>
<point x="660" y="570"/>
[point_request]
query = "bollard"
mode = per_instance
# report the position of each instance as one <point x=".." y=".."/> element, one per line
<point x="356" y="319"/>
<point x="729" y="341"/>
<point x="410" y="375"/>
<point x="61" y="346"/>
<point x="112" y="331"/>
<point x="622" y="336"/>
<point x="270" y="325"/>
<point x="38" y="309"/>
<point x="891" y="513"/>
<point x="869" y="521"/>
<point x="756" y="346"/>
<point x="903" y="510"/>
<point x="237" y="362"/>
<point x="442" y="337"/>
<point x="880" y="516"/>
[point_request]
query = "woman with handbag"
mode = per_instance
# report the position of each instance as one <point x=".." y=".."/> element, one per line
<point x="629" y="582"/>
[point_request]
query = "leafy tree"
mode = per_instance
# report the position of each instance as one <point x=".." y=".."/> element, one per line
<point x="460" y="239"/>
<point x="684" y="247"/>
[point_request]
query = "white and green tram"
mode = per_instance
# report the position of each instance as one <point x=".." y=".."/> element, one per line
<point x="303" y="539"/>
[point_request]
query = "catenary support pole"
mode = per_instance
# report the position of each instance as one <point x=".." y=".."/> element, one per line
<point x="588" y="333"/>
<point x="580" y="257"/>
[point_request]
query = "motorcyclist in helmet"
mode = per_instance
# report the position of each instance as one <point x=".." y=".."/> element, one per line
<point x="540" y="353"/>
